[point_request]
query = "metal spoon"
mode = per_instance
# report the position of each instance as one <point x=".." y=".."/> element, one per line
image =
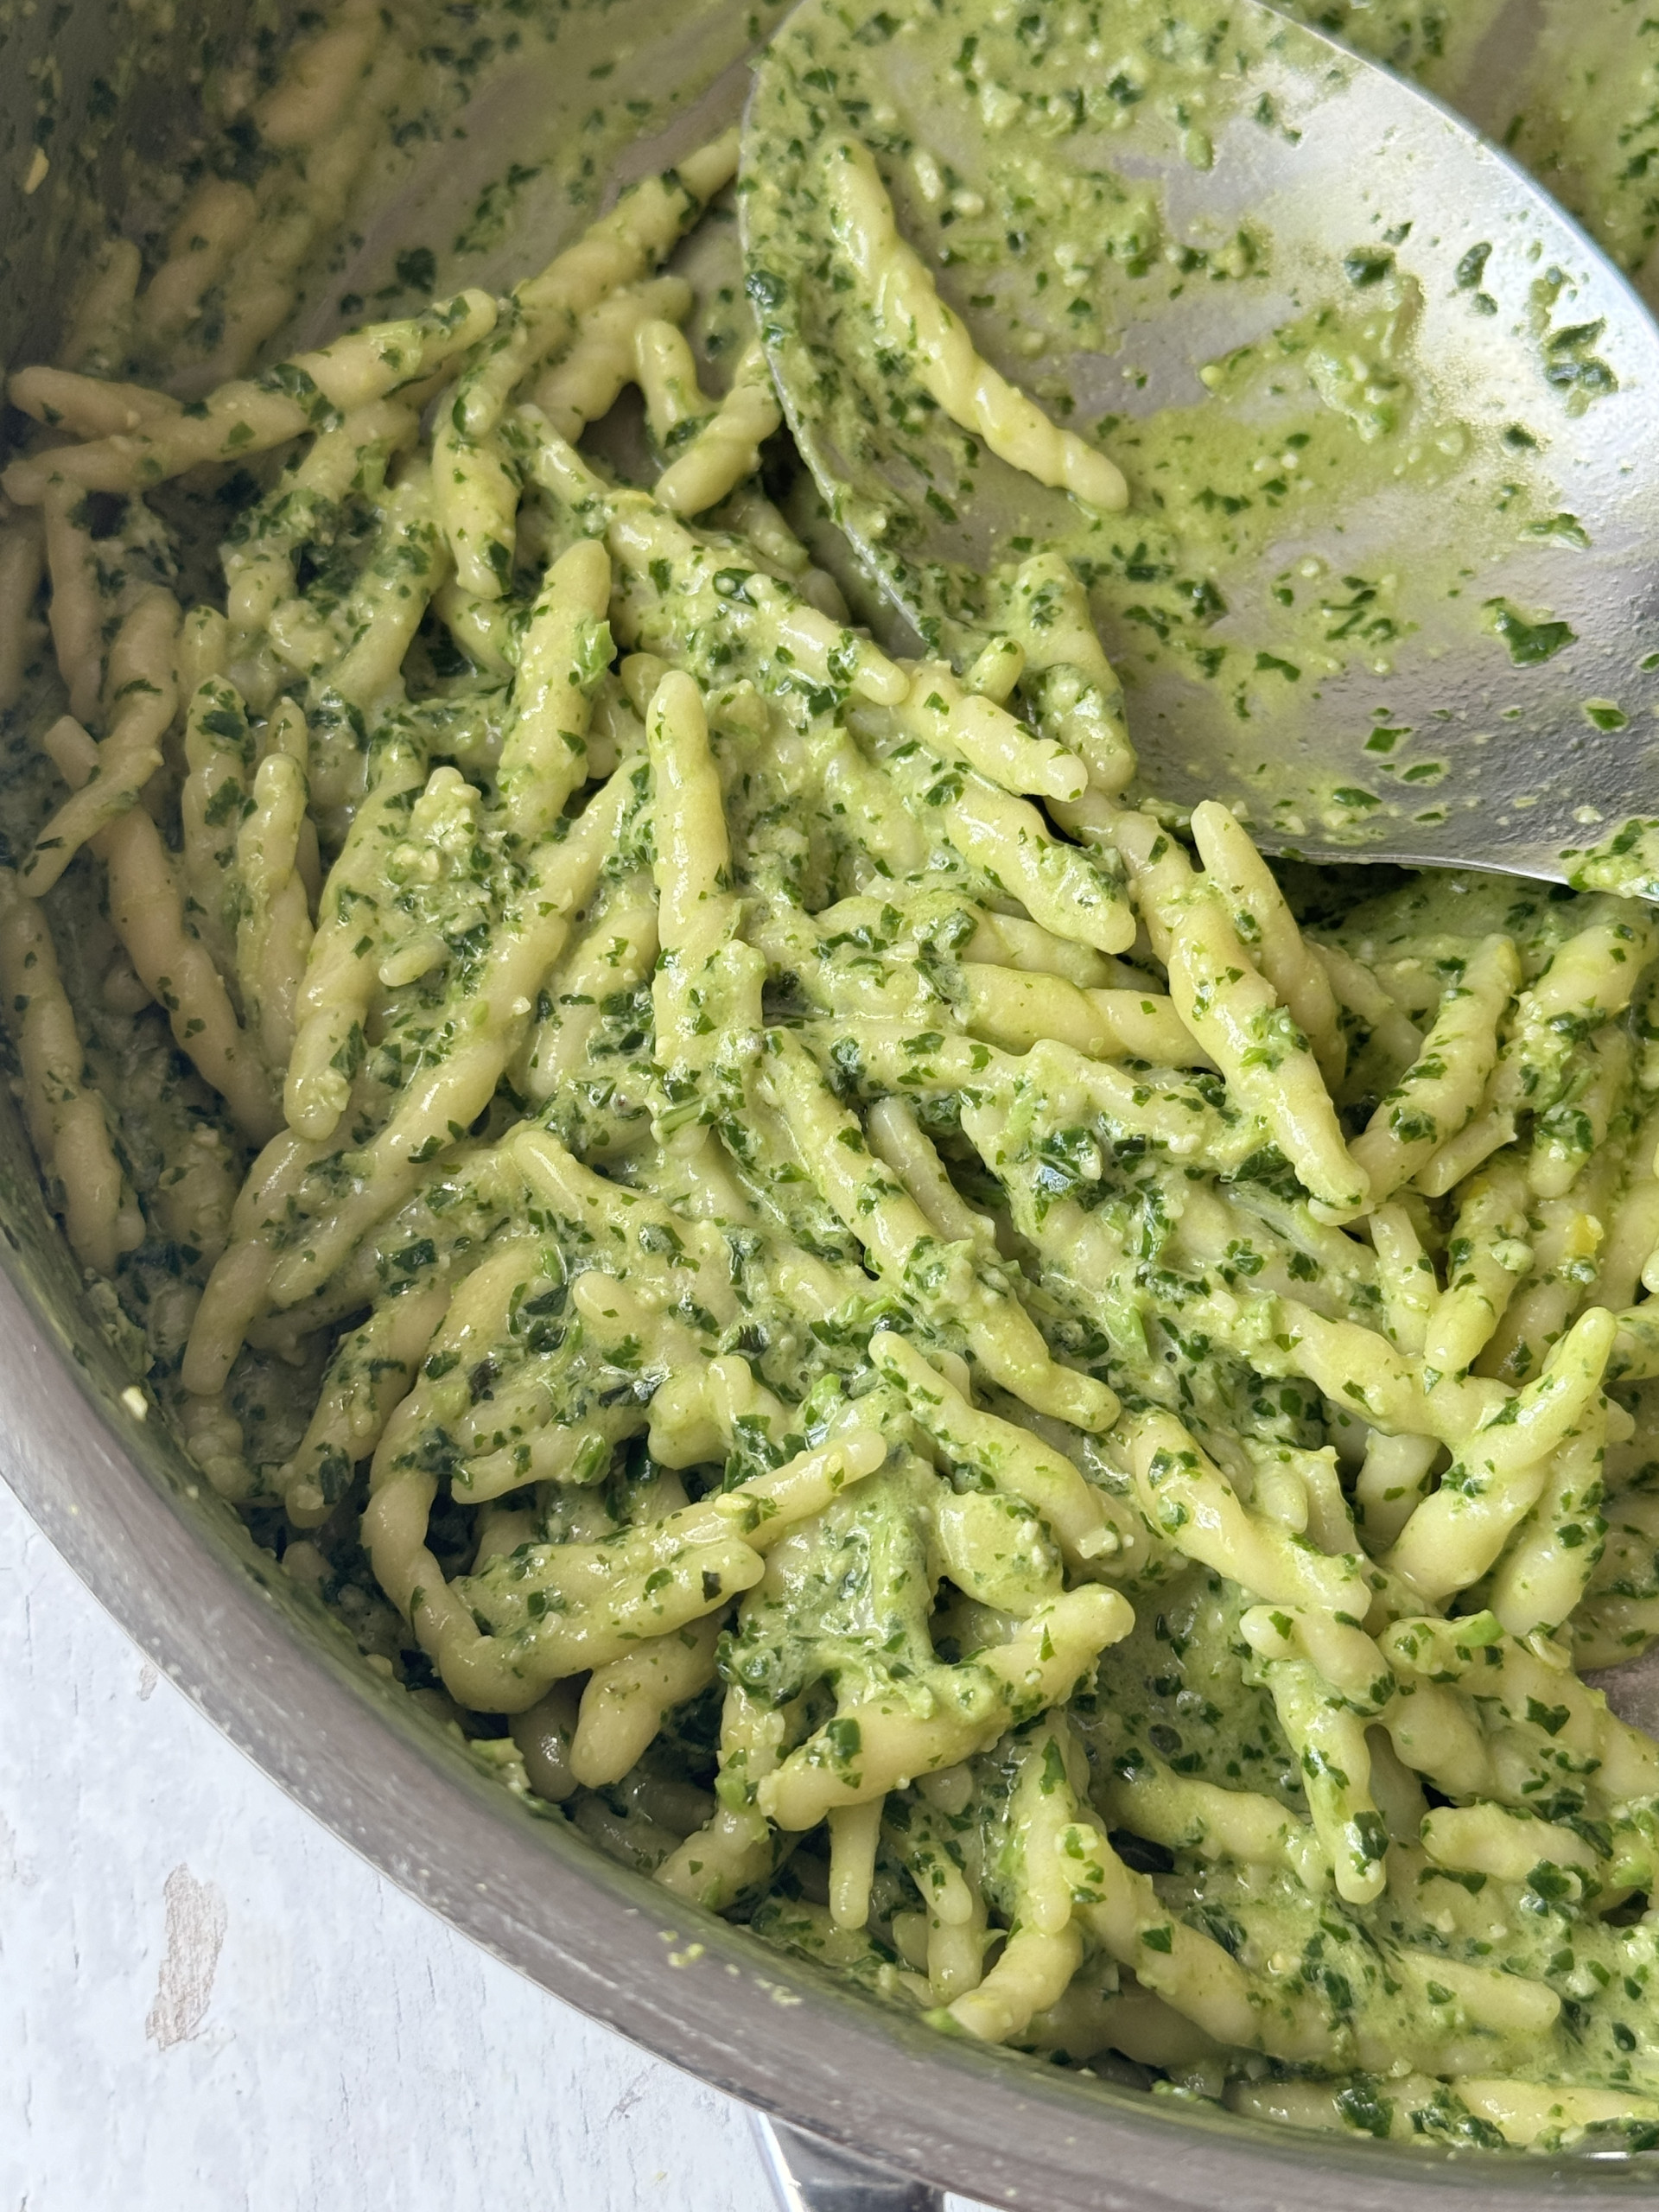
<point x="1443" y="651"/>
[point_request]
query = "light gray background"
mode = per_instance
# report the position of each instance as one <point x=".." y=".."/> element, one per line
<point x="207" y="2004"/>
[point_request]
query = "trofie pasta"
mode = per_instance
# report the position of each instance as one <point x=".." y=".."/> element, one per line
<point x="939" y="1358"/>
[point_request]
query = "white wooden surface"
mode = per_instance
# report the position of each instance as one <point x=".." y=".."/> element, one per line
<point x="207" y="2004"/>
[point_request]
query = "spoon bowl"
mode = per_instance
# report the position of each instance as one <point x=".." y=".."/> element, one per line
<point x="1387" y="578"/>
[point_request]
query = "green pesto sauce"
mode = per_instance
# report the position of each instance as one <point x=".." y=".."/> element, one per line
<point x="1323" y="508"/>
<point x="1324" y="410"/>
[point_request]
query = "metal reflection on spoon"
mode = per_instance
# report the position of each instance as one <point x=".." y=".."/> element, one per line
<point x="1439" y="653"/>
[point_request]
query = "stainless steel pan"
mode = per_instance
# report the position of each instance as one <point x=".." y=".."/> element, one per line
<point x="177" y="1570"/>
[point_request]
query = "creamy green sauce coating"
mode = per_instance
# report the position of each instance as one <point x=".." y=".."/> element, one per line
<point x="1271" y="588"/>
<point x="1138" y="1218"/>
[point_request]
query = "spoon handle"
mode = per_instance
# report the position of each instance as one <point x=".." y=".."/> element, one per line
<point x="812" y="2176"/>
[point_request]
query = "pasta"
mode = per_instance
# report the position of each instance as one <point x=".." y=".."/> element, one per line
<point x="973" y="395"/>
<point x="898" y="1333"/>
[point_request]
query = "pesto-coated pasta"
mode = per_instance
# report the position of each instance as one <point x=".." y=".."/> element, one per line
<point x="927" y="1350"/>
<point x="969" y="389"/>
